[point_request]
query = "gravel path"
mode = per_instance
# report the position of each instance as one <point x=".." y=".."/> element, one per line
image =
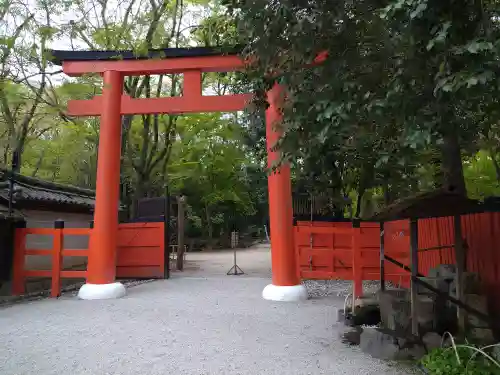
<point x="186" y="325"/>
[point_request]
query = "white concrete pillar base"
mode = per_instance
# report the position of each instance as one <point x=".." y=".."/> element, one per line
<point x="285" y="293"/>
<point x="102" y="291"/>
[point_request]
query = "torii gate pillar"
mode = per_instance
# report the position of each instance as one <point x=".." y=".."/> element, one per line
<point x="286" y="284"/>
<point x="101" y="269"/>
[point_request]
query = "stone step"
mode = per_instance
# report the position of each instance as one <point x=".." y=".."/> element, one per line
<point x="366" y="300"/>
<point x="396" y="313"/>
<point x="439" y="283"/>
<point x="446" y="271"/>
<point x="480" y="303"/>
<point x="382" y="345"/>
<point x="471" y="282"/>
<point x="481" y="335"/>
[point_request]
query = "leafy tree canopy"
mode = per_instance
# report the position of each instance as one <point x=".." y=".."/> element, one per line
<point x="405" y="91"/>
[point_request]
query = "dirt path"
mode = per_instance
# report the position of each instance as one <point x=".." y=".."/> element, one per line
<point x="254" y="261"/>
<point x="200" y="322"/>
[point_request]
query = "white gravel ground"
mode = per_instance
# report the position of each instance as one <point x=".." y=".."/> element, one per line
<point x="339" y="288"/>
<point x="186" y="325"/>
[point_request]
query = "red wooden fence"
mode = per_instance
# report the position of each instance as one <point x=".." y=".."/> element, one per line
<point x="20" y="274"/>
<point x="141" y="250"/>
<point x="482" y="234"/>
<point x="140" y="254"/>
<point x="328" y="253"/>
<point x="329" y="250"/>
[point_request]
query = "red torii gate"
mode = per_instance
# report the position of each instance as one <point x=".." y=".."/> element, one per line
<point x="191" y="62"/>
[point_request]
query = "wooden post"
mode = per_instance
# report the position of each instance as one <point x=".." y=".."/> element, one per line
<point x="14" y="166"/>
<point x="166" y="233"/>
<point x="460" y="260"/>
<point x="18" y="263"/>
<point x="357" y="266"/>
<point x="284" y="262"/>
<point x="103" y="237"/>
<point x="414" y="273"/>
<point x="382" y="257"/>
<point x="180" y="232"/>
<point x="57" y="247"/>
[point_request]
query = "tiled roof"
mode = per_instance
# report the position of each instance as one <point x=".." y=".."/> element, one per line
<point x="30" y="189"/>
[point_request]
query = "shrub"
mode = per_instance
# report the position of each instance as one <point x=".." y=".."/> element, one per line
<point x="460" y="360"/>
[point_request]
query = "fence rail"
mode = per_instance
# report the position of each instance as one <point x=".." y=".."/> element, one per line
<point x="57" y="252"/>
<point x="330" y="251"/>
<point x="140" y="254"/>
<point x="325" y="249"/>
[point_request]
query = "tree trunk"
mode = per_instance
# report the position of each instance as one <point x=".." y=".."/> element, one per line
<point x="358" y="202"/>
<point x="367" y="205"/>
<point x="495" y="163"/>
<point x="366" y="178"/>
<point x="139" y="192"/>
<point x="437" y="170"/>
<point x="180" y="233"/>
<point x="18" y="155"/>
<point x="210" y="227"/>
<point x="453" y="174"/>
<point x="38" y="164"/>
<point x="387" y="193"/>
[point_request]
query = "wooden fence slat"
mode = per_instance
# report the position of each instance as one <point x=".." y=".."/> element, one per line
<point x="37" y="273"/>
<point x="77" y="231"/>
<point x="325" y="230"/>
<point x="480" y="231"/>
<point x="140" y="253"/>
<point x="74" y="274"/>
<point x="18" y="272"/>
<point x="58" y="244"/>
<point x="75" y="253"/>
<point x="357" y="261"/>
<point x="38" y="252"/>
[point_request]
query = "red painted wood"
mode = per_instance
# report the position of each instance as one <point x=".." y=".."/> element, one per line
<point x="176" y="65"/>
<point x="57" y="247"/>
<point x="325" y="230"/>
<point x="103" y="237"/>
<point x="331" y="256"/>
<point x="357" y="266"/>
<point x="173" y="65"/>
<point x="397" y="246"/>
<point x="140" y="272"/>
<point x="171" y="105"/>
<point x="18" y="271"/>
<point x="331" y="253"/>
<point x="141" y="249"/>
<point x="76" y="231"/>
<point x="140" y="254"/>
<point x="192" y="84"/>
<point x="75" y="252"/>
<point x="283" y="259"/>
<point x="42" y="231"/>
<point x="38" y="252"/>
<point x="102" y="251"/>
<point x="74" y="274"/>
<point x="37" y="273"/>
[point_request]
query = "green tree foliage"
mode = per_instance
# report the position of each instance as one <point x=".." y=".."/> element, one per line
<point x="404" y="102"/>
<point x="211" y="169"/>
<point x="207" y="156"/>
<point x="404" y="93"/>
<point x="27" y="29"/>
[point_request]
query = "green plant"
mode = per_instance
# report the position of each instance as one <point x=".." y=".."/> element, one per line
<point x="458" y="360"/>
